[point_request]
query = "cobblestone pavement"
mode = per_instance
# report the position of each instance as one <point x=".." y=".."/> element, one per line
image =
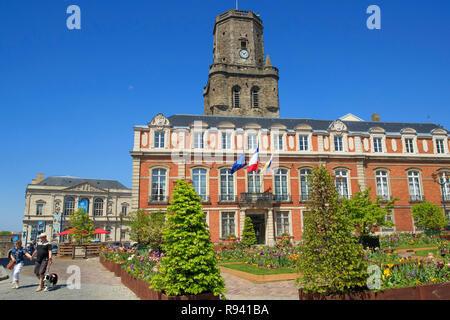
<point x="241" y="289"/>
<point x="97" y="283"/>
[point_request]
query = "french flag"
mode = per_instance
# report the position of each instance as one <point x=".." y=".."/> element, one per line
<point x="254" y="161"/>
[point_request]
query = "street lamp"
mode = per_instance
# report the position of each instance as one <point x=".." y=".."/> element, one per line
<point x="444" y="182"/>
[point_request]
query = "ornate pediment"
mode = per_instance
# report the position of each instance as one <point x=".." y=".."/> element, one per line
<point x="439" y="132"/>
<point x="85" y="187"/>
<point x="408" y="131"/>
<point x="159" y="122"/>
<point x="338" y="127"/>
<point x="303" y="127"/>
<point x="376" y="130"/>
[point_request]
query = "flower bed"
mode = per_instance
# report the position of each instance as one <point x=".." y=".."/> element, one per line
<point x="409" y="240"/>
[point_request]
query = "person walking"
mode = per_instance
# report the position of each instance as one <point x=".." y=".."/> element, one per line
<point x="43" y="253"/>
<point x="17" y="255"/>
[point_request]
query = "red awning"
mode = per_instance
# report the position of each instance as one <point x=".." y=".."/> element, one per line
<point x="100" y="231"/>
<point x="68" y="231"/>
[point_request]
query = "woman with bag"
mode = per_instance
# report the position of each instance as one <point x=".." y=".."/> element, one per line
<point x="17" y="256"/>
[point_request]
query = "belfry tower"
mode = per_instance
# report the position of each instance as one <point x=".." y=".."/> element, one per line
<point x="242" y="82"/>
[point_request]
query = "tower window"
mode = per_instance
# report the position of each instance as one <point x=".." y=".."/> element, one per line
<point x="236" y="97"/>
<point x="243" y="44"/>
<point x="255" y="97"/>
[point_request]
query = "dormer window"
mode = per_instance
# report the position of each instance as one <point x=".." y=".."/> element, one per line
<point x="409" y="143"/>
<point x="440" y="146"/>
<point x="159" y="139"/>
<point x="377" y="145"/>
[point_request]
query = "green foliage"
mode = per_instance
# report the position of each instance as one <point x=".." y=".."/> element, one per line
<point x="84" y="226"/>
<point x="2" y="233"/>
<point x="331" y="259"/>
<point x="189" y="266"/>
<point x="366" y="214"/>
<point x="429" y="216"/>
<point x="146" y="228"/>
<point x="248" y="234"/>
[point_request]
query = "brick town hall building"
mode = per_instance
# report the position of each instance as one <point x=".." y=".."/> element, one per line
<point x="241" y="112"/>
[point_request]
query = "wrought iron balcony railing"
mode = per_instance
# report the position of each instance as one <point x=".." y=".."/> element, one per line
<point x="282" y="197"/>
<point x="228" y="198"/>
<point x="256" y="197"/>
<point x="158" y="199"/>
<point x="416" y="198"/>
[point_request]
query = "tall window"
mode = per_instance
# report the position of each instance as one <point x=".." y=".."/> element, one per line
<point x="282" y="223"/>
<point x="252" y="141"/>
<point x="382" y="184"/>
<point x="254" y="182"/>
<point x="440" y="146"/>
<point x="158" y="185"/>
<point x="281" y="185"/>
<point x="445" y="183"/>
<point x="124" y="209"/>
<point x="236" y="97"/>
<point x="304" y="188"/>
<point x="39" y="209"/>
<point x="98" y="207"/>
<point x="255" y="97"/>
<point x="342" y="183"/>
<point x="338" y="144"/>
<point x="228" y="226"/>
<point x="199" y="140"/>
<point x="226" y="185"/>
<point x="409" y="145"/>
<point x="199" y="182"/>
<point x="278" y="141"/>
<point x="414" y="186"/>
<point x="69" y="205"/>
<point x="159" y="139"/>
<point x="226" y="141"/>
<point x="303" y="141"/>
<point x="377" y="145"/>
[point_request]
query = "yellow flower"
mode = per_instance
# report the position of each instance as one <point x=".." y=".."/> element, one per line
<point x="387" y="272"/>
<point x="390" y="265"/>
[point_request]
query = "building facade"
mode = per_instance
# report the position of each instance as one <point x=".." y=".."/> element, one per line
<point x="50" y="201"/>
<point x="395" y="160"/>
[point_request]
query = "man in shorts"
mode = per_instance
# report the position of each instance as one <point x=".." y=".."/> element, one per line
<point x="43" y="253"/>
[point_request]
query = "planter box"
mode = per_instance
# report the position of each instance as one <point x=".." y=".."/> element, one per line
<point x="427" y="292"/>
<point x="106" y="263"/>
<point x="203" y="296"/>
<point x="117" y="269"/>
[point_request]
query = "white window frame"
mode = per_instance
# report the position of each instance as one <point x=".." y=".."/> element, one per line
<point x="230" y="178"/>
<point x="305" y="138"/>
<point x="284" y="197"/>
<point x="302" y="174"/>
<point x="277" y="139"/>
<point x="199" y="140"/>
<point x="253" y="176"/>
<point x="254" y="141"/>
<point x="40" y="212"/>
<point x="440" y="146"/>
<point x="339" y="186"/>
<point x="289" y="223"/>
<point x="227" y="138"/>
<point x="222" y="236"/>
<point x="341" y="138"/>
<point x="161" y="142"/>
<point x="377" y="145"/>
<point x="416" y="184"/>
<point x="203" y="196"/>
<point x="381" y="175"/>
<point x="158" y="196"/>
<point x="388" y="230"/>
<point x="98" y="210"/>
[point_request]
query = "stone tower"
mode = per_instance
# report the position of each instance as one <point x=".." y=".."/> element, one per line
<point x="241" y="81"/>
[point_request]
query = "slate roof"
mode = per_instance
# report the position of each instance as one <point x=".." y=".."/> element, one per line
<point x="184" y="120"/>
<point x="67" y="181"/>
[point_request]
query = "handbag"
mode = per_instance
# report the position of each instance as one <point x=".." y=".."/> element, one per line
<point x="10" y="265"/>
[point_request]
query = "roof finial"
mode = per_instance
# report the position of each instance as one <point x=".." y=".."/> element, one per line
<point x="268" y="62"/>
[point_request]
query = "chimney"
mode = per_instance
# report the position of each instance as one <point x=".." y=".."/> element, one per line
<point x="38" y="179"/>
<point x="376" y="117"/>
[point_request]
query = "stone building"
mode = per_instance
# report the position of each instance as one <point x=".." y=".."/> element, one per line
<point x="395" y="160"/>
<point x="50" y="201"/>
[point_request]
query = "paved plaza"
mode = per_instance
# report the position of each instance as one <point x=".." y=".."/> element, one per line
<point x="96" y="283"/>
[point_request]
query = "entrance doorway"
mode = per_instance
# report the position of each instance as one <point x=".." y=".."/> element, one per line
<point x="259" y="224"/>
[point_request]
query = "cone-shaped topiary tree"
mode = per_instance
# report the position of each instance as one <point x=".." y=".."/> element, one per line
<point x="189" y="266"/>
<point x="331" y="259"/>
<point x="248" y="234"/>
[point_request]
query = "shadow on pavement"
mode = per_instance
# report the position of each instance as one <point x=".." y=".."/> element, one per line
<point x="4" y="262"/>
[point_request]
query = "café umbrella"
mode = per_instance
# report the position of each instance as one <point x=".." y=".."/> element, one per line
<point x="101" y="231"/>
<point x="71" y="231"/>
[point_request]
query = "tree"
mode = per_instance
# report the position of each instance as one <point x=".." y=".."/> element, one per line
<point x="429" y="216"/>
<point x="248" y="234"/>
<point x="367" y="215"/>
<point x="331" y="259"/>
<point x="83" y="225"/>
<point x="146" y="227"/>
<point x="189" y="265"/>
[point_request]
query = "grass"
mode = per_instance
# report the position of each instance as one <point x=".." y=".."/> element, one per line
<point x="424" y="253"/>
<point x="258" y="270"/>
<point x="409" y="246"/>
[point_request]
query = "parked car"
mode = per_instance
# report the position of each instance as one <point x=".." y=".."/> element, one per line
<point x="115" y="244"/>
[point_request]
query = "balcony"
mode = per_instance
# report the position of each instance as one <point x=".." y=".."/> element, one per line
<point x="446" y="198"/>
<point x="228" y="198"/>
<point x="385" y="197"/>
<point x="282" y="198"/>
<point x="263" y="197"/>
<point x="416" y="198"/>
<point x="158" y="199"/>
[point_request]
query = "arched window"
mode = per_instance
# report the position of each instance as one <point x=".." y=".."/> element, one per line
<point x="236" y="97"/>
<point x="199" y="182"/>
<point x="304" y="188"/>
<point x="255" y="97"/>
<point x="342" y="183"/>
<point x="158" y="185"/>
<point x="382" y="184"/>
<point x="98" y="207"/>
<point x="69" y="205"/>
<point x="281" y="185"/>
<point x="226" y="185"/>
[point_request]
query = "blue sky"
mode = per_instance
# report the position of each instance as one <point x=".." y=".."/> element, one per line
<point x="69" y="98"/>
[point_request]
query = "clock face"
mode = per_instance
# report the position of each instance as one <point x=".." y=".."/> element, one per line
<point x="244" y="54"/>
